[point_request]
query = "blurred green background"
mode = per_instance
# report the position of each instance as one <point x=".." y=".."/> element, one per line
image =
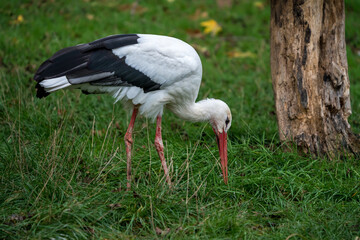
<point x="62" y="168"/>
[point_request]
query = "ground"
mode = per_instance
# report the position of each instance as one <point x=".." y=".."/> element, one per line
<point x="63" y="161"/>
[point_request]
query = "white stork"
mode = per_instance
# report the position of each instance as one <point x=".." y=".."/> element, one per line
<point x="149" y="72"/>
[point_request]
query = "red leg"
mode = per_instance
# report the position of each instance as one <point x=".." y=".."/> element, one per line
<point x="160" y="149"/>
<point x="128" y="142"/>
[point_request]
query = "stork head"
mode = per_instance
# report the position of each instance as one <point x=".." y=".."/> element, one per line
<point x="218" y="114"/>
<point x="220" y="120"/>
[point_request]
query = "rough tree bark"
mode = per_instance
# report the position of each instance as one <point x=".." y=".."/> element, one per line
<point x="310" y="75"/>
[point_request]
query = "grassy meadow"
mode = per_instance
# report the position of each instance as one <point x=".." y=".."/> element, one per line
<point x="63" y="161"/>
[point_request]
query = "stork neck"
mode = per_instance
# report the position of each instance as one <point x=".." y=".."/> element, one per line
<point x="195" y="111"/>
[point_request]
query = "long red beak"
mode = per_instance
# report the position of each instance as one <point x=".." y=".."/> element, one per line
<point x="221" y="139"/>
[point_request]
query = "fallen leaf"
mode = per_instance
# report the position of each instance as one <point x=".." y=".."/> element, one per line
<point x="195" y="33"/>
<point x="15" y="218"/>
<point x="159" y="231"/>
<point x="19" y="19"/>
<point x="29" y="68"/>
<point x="89" y="229"/>
<point x="90" y="17"/>
<point x="211" y="26"/>
<point x="198" y="14"/>
<point x="115" y="205"/>
<point x="224" y="3"/>
<point x="259" y="5"/>
<point x="201" y="49"/>
<point x="240" y="54"/>
<point x="116" y="190"/>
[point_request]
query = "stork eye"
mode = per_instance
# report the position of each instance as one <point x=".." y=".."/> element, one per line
<point x="227" y="121"/>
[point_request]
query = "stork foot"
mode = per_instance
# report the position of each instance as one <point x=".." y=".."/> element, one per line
<point x="160" y="149"/>
<point x="128" y="144"/>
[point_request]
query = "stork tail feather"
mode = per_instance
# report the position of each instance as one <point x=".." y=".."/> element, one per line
<point x="40" y="93"/>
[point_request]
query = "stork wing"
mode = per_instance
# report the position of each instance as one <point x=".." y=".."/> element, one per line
<point x="96" y="64"/>
<point x="165" y="60"/>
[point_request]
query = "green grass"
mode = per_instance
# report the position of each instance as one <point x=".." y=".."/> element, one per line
<point x="63" y="163"/>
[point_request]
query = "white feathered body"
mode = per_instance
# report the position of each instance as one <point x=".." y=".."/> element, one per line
<point x="167" y="61"/>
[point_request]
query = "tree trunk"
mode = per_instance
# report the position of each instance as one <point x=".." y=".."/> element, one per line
<point x="310" y="76"/>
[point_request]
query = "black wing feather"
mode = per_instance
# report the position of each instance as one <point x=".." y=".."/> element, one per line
<point x="96" y="61"/>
